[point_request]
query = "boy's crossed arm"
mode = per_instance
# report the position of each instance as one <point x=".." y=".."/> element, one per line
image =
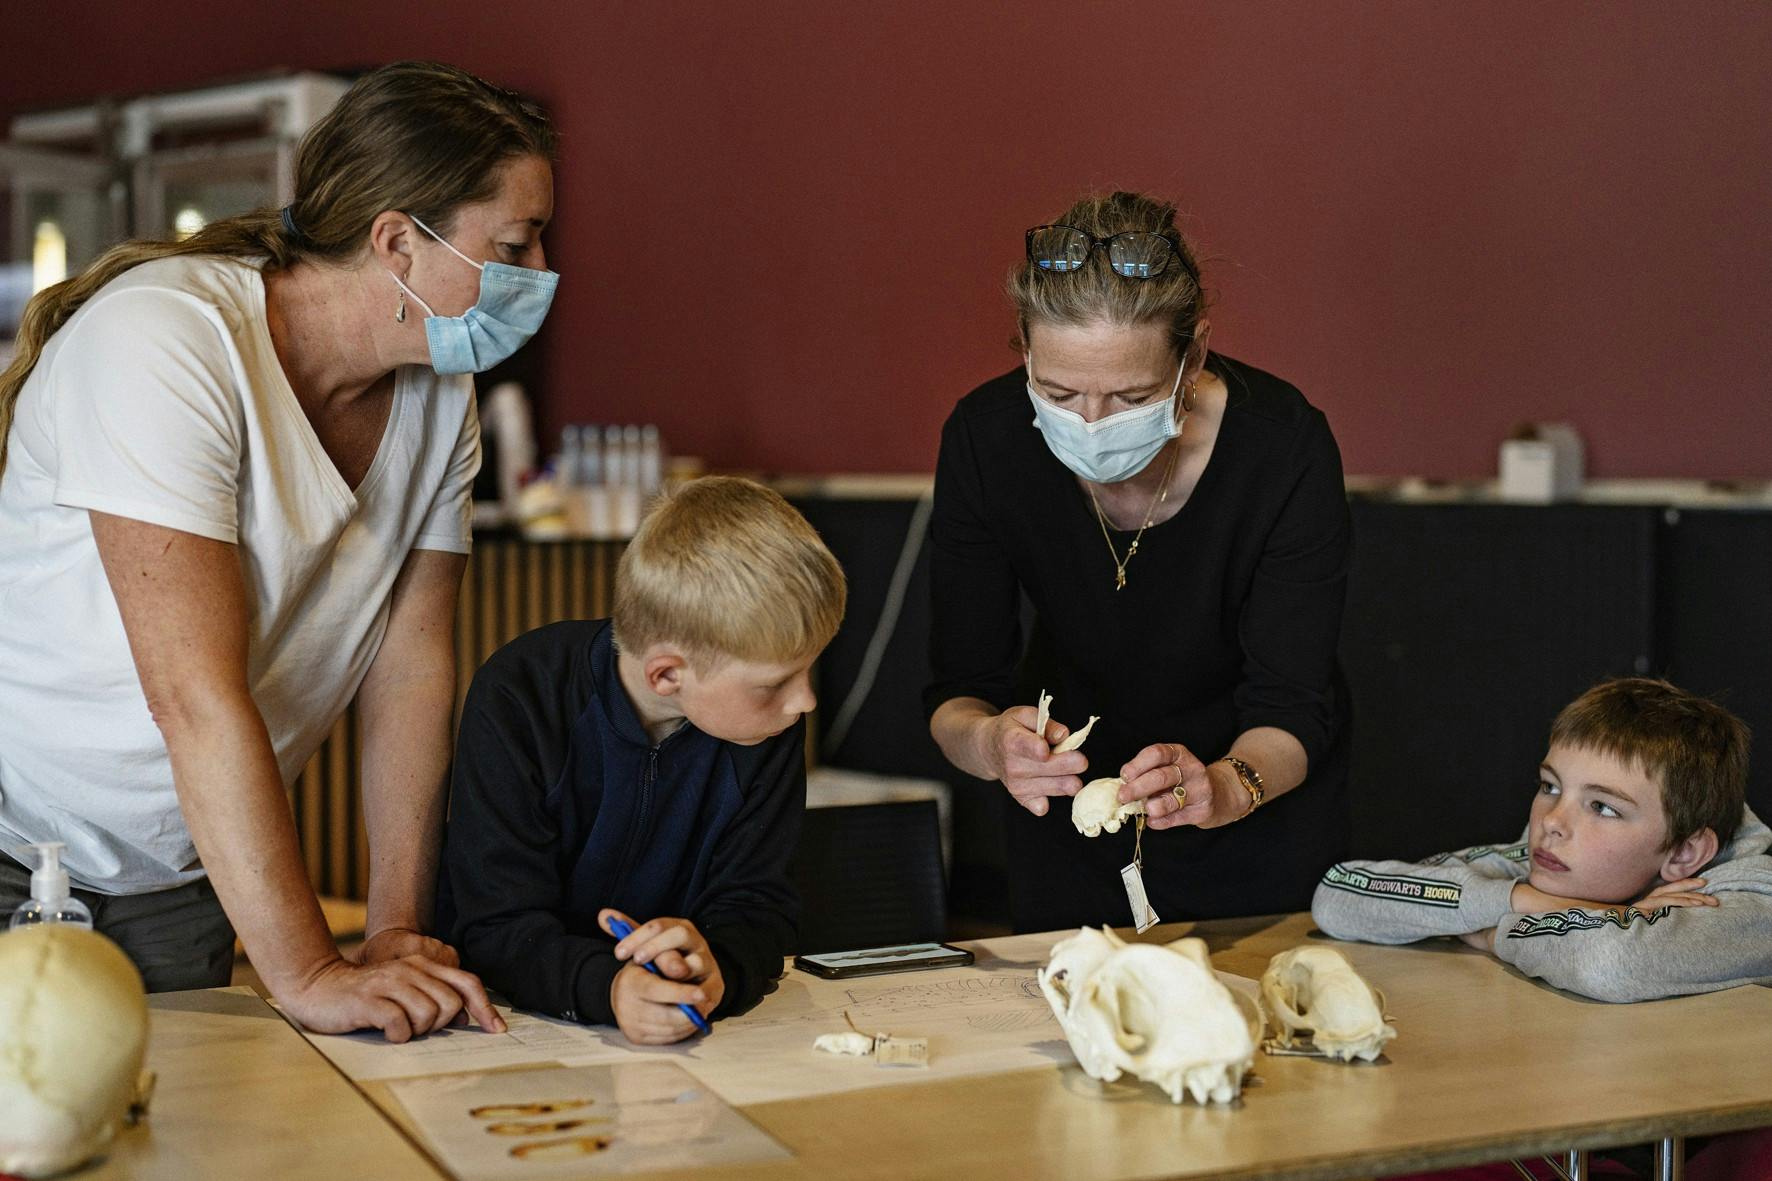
<point x="1453" y="894"/>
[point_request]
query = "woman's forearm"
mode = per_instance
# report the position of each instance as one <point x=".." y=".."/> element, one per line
<point x="405" y="793"/>
<point x="406" y="704"/>
<point x="956" y="726"/>
<point x="235" y="806"/>
<point x="1276" y="754"/>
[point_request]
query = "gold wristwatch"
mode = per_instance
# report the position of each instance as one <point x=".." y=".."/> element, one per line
<point x="1250" y="778"/>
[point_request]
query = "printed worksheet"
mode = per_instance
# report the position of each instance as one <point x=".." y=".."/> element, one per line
<point x="984" y="1018"/>
<point x="590" y="1121"/>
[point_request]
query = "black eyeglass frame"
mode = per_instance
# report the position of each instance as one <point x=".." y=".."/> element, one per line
<point x="1106" y="244"/>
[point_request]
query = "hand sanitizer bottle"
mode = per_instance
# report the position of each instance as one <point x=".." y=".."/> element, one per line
<point x="50" y="901"/>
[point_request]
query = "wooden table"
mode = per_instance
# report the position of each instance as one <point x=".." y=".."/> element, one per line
<point x="1487" y="1065"/>
<point x="241" y="1094"/>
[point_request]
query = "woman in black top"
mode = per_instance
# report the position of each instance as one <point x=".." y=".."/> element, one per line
<point x="1178" y="523"/>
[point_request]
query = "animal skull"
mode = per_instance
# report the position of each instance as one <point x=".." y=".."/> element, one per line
<point x="1315" y="997"/>
<point x="1156" y="1012"/>
<point x="1097" y="807"/>
<point x="73" y="1030"/>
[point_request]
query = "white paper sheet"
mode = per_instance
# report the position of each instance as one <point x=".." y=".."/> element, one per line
<point x="987" y="1018"/>
<point x="586" y="1122"/>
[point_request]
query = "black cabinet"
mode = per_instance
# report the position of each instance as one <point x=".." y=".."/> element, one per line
<point x="1468" y="627"/>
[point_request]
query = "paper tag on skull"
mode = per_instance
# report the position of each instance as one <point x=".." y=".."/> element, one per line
<point x="1143" y="917"/>
<point x="901" y="1051"/>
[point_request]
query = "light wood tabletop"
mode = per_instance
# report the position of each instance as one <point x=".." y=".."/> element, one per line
<point x="1487" y="1065"/>
<point x="241" y="1094"/>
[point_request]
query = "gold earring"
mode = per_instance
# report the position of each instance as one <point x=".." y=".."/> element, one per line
<point x="400" y="316"/>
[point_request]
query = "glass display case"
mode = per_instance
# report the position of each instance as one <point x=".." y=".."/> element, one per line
<point x="75" y="181"/>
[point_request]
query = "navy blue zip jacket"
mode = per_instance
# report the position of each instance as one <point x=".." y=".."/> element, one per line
<point x="561" y="805"/>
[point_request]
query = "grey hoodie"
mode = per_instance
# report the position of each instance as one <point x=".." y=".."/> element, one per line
<point x="1636" y="955"/>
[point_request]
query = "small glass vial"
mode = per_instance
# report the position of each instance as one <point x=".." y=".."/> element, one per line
<point x="50" y="900"/>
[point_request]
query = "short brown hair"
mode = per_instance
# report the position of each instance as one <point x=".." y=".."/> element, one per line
<point x="725" y="568"/>
<point x="1693" y="746"/>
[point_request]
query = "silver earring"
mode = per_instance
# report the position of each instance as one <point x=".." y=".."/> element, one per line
<point x="400" y="316"/>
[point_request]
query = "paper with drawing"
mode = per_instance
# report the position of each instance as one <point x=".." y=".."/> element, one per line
<point x="584" y="1122"/>
<point x="985" y="1018"/>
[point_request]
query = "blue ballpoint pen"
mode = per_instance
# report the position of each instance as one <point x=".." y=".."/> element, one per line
<point x="622" y="931"/>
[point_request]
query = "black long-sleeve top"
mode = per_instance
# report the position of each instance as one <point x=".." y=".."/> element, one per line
<point x="1229" y="620"/>
<point x="560" y="805"/>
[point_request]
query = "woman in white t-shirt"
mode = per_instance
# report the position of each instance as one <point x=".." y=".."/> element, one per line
<point x="235" y="497"/>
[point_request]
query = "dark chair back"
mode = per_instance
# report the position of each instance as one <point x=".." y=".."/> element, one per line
<point x="870" y="875"/>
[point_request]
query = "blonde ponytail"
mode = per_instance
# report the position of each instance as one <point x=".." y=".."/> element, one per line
<point x="259" y="234"/>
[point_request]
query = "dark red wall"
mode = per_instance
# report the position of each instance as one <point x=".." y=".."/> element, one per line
<point x="782" y="226"/>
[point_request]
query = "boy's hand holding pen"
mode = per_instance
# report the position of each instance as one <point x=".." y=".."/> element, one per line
<point x="670" y="980"/>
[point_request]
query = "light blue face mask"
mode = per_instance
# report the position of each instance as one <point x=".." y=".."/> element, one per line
<point x="513" y="302"/>
<point x="1110" y="449"/>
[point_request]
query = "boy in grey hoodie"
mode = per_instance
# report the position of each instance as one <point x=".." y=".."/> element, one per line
<point x="1641" y="874"/>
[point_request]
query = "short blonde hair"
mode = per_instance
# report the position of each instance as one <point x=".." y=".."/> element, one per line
<point x="725" y="568"/>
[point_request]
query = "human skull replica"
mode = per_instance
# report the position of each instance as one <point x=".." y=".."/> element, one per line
<point x="1155" y="1012"/>
<point x="1097" y="808"/>
<point x="73" y="1031"/>
<point x="1315" y="996"/>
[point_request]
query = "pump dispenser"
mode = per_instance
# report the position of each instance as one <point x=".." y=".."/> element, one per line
<point x="50" y="901"/>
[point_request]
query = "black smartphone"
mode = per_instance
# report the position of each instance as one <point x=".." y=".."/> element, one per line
<point x="876" y="961"/>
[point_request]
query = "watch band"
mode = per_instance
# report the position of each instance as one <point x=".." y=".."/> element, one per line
<point x="1250" y="778"/>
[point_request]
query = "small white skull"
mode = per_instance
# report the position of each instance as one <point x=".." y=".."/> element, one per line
<point x="1097" y="808"/>
<point x="1315" y="996"/>
<point x="1156" y="1012"/>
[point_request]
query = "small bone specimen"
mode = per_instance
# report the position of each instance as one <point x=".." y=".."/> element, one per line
<point x="1097" y="808"/>
<point x="1045" y="715"/>
<point x="538" y="1127"/>
<point x="1077" y="739"/>
<point x="1158" y="1013"/>
<point x="73" y="1031"/>
<point x="520" y="1110"/>
<point x="859" y="1044"/>
<point x="1315" y="997"/>
<point x="570" y="1148"/>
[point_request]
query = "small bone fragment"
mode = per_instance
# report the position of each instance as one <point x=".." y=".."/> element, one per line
<point x="1077" y="739"/>
<point x="858" y="1044"/>
<point x="1315" y="997"/>
<point x="1044" y="715"/>
<point x="1097" y="808"/>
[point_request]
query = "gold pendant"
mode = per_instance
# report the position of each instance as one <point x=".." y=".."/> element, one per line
<point x="1119" y="578"/>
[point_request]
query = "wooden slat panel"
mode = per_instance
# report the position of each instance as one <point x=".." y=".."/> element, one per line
<point x="509" y="587"/>
<point x="340" y="778"/>
<point x="310" y="815"/>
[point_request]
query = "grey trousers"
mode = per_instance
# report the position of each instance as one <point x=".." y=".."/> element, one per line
<point x="177" y="938"/>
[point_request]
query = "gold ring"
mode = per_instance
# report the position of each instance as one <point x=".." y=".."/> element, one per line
<point x="1180" y="794"/>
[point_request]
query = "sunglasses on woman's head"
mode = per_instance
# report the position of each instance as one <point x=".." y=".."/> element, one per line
<point x="1133" y="254"/>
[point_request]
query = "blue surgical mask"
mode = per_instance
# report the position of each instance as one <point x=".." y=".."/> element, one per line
<point x="513" y="302"/>
<point x="1110" y="449"/>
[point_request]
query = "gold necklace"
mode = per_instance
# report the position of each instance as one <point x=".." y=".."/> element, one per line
<point x="1150" y="513"/>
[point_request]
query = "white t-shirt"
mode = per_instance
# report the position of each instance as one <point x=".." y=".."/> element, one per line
<point x="162" y="400"/>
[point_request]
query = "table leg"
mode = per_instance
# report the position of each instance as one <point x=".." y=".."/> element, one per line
<point x="1670" y="1159"/>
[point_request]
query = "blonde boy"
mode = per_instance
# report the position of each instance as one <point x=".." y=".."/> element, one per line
<point x="1642" y="873"/>
<point x="648" y="768"/>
